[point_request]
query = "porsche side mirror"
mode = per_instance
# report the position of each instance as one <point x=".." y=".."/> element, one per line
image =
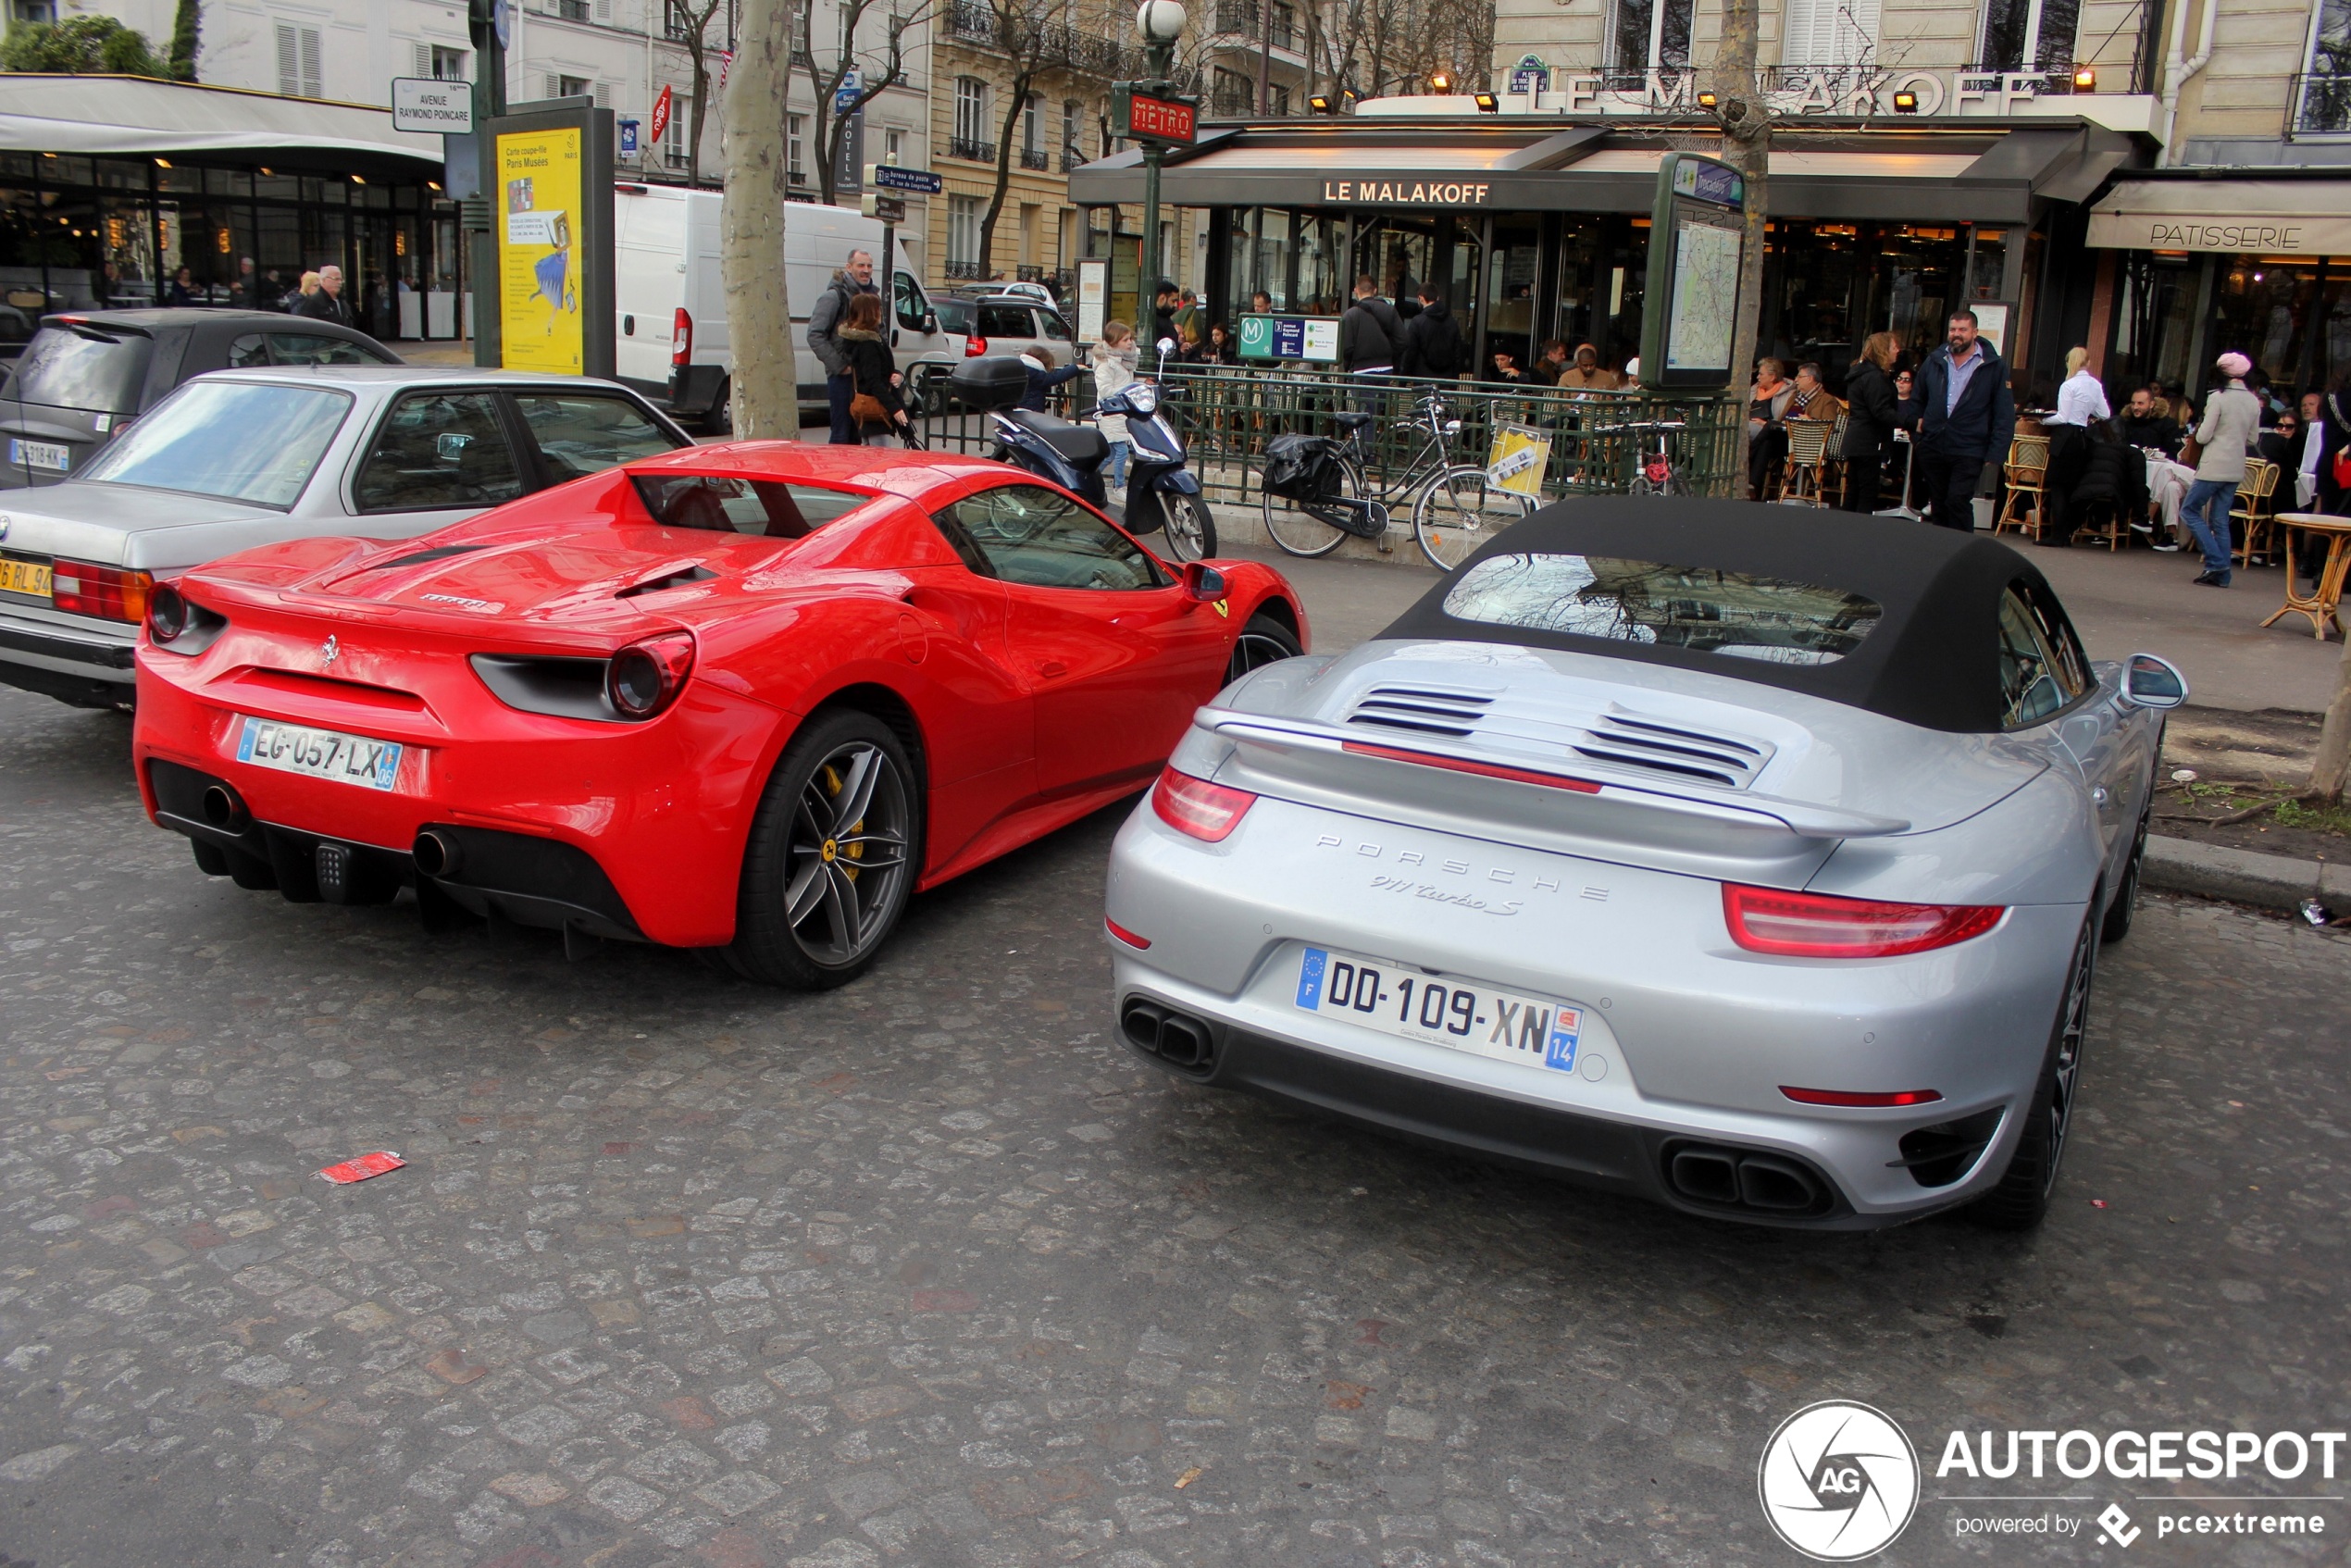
<point x="1202" y="582"/>
<point x="2154" y="683"/>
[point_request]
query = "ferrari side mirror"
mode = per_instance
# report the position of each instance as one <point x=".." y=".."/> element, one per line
<point x="2153" y="682"/>
<point x="1204" y="582"/>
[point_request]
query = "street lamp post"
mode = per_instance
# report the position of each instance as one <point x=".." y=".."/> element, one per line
<point x="1159" y="23"/>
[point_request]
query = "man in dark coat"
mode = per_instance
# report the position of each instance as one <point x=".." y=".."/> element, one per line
<point x="825" y="318"/>
<point x="1432" y="340"/>
<point x="327" y="304"/>
<point x="1967" y="418"/>
<point x="2147" y="421"/>
<point x="1368" y="333"/>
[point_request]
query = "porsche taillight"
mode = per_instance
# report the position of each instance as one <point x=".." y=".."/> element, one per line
<point x="1195" y="807"/>
<point x="1795" y="925"/>
<point x="108" y="593"/>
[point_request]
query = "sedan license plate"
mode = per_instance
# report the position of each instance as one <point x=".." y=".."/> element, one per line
<point x="25" y="577"/>
<point x="50" y="455"/>
<point x="319" y="754"/>
<point x="1398" y="999"/>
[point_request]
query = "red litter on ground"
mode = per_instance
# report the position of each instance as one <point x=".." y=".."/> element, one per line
<point x="367" y="1165"/>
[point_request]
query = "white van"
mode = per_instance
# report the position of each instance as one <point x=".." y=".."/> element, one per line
<point x="672" y="342"/>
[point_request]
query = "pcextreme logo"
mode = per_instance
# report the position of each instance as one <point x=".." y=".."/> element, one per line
<point x="1839" y="1481"/>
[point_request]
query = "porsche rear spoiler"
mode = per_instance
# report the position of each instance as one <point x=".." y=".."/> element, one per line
<point x="1804" y="819"/>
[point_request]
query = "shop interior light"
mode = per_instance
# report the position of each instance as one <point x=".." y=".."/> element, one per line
<point x="1906" y="103"/>
<point x="356" y="181"/>
<point x="2085" y="81"/>
<point x="163" y="163"/>
<point x="1489" y="105"/>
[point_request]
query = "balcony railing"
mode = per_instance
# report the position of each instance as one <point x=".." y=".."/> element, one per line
<point x="965" y="269"/>
<point x="965" y="147"/>
<point x="1029" y="274"/>
<point x="2319" y="105"/>
<point x="1036" y="158"/>
<point x="1228" y="103"/>
<point x="1072" y="158"/>
<point x="1242" y="20"/>
<point x="1678" y="86"/>
<point x="972" y="22"/>
<point x="975" y="21"/>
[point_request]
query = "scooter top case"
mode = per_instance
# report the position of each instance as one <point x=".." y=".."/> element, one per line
<point x="993" y="382"/>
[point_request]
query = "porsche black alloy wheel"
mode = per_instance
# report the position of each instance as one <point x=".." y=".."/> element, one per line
<point x="832" y="858"/>
<point x="1263" y="641"/>
<point x="2022" y="1200"/>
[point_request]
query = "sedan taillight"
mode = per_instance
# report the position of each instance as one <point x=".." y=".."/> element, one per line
<point x="645" y="678"/>
<point x="108" y="593"/>
<point x="1194" y="806"/>
<point x="1823" y="926"/>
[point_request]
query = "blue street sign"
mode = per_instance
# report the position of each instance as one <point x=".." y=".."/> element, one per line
<point x="921" y="182"/>
<point x="845" y="97"/>
<point x="627" y="138"/>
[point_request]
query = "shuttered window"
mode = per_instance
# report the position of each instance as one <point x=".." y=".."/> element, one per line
<point x="1829" y="33"/>
<point x="299" y="71"/>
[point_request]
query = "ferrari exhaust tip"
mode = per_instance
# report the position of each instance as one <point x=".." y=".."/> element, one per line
<point x="224" y="809"/>
<point x="436" y="854"/>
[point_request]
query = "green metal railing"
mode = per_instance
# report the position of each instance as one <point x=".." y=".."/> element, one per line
<point x="1227" y="414"/>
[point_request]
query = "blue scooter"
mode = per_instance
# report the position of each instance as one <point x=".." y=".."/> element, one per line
<point x="1161" y="491"/>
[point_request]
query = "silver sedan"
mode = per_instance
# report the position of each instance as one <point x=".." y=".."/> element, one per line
<point x="246" y="457"/>
<point x="1750" y="861"/>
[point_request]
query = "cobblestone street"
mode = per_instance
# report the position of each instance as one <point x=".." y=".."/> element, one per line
<point x="931" y="1270"/>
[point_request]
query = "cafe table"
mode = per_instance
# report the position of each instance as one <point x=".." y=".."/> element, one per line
<point x="2321" y="604"/>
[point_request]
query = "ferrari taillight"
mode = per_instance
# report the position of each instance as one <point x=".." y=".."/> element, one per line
<point x="1194" y="806"/>
<point x="1823" y="926"/>
<point x="681" y="337"/>
<point x="645" y="678"/>
<point x="108" y="593"/>
<point x="974" y="346"/>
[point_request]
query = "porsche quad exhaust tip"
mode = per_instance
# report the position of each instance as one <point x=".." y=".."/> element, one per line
<point x="1181" y="1042"/>
<point x="1746" y="1179"/>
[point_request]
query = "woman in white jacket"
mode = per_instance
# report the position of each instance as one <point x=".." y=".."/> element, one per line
<point x="1114" y="360"/>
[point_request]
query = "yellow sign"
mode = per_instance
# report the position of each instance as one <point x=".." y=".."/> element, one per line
<point x="1518" y="460"/>
<point x="538" y="266"/>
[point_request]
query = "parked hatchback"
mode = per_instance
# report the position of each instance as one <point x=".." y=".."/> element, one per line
<point x="247" y="457"/>
<point x="1004" y="324"/>
<point x="86" y="374"/>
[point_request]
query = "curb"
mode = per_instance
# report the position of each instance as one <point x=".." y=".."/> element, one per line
<point x="2264" y="881"/>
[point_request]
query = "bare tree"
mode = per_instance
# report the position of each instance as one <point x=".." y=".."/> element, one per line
<point x="766" y="382"/>
<point x="876" y="74"/>
<point x="689" y="28"/>
<point x="1381" y="46"/>
<point x="1743" y="109"/>
<point x="1041" y="40"/>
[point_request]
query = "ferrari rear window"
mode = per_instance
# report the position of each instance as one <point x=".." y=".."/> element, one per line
<point x="774" y="508"/>
<point x="1703" y="608"/>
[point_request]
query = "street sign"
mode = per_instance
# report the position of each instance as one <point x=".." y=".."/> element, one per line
<point x="1312" y="337"/>
<point x="845" y="96"/>
<point x="1093" y="297"/>
<point x="850" y="168"/>
<point x="426" y="104"/>
<point x="627" y="138"/>
<point x="1530" y="75"/>
<point x="661" y="114"/>
<point x="1691" y="296"/>
<point x="890" y="210"/>
<point x="918" y="181"/>
<point x="1134" y="113"/>
<point x="501" y="18"/>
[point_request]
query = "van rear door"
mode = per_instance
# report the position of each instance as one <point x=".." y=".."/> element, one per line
<point x="649" y="262"/>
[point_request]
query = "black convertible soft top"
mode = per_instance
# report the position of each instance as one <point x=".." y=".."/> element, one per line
<point x="1932" y="658"/>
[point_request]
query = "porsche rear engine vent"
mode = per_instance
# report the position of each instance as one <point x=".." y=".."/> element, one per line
<point x="1655" y="747"/>
<point x="1422" y="710"/>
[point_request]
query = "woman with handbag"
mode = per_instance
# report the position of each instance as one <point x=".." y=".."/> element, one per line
<point x="874" y="405"/>
<point x="1873" y="413"/>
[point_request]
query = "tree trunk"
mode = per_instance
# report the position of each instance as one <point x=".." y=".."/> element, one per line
<point x="2329" y="769"/>
<point x="750" y="226"/>
<point x="1746" y="119"/>
<point x="694" y="126"/>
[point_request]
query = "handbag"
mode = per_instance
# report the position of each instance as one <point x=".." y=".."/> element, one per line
<point x="866" y="409"/>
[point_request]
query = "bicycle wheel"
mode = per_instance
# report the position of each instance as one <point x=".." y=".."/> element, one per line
<point x="1458" y="510"/>
<point x="1297" y="529"/>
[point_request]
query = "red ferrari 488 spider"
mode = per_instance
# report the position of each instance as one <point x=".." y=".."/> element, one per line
<point x="747" y="698"/>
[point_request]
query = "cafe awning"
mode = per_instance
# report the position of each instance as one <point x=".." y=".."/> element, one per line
<point x="1963" y="173"/>
<point x="2263" y="217"/>
<point x="137" y="116"/>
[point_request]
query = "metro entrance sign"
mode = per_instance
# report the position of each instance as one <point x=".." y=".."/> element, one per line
<point x="1137" y="113"/>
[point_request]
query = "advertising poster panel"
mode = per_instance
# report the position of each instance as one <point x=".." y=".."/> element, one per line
<point x="539" y="193"/>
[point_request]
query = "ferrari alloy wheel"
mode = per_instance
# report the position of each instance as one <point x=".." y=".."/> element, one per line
<point x="2126" y="898"/>
<point x="832" y="858"/>
<point x="1191" y="531"/>
<point x="1461" y="510"/>
<point x="2022" y="1200"/>
<point x="1263" y="641"/>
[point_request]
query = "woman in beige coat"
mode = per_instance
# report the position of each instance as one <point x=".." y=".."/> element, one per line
<point x="2232" y="419"/>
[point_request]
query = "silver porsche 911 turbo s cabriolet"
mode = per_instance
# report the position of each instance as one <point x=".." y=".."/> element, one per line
<point x="1753" y="862"/>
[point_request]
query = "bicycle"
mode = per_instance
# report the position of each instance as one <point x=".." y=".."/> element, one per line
<point x="1455" y="507"/>
<point x="1658" y="472"/>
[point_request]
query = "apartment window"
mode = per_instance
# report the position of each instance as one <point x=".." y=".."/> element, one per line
<point x="33" y="11"/>
<point x="1285" y="27"/>
<point x="1069" y="125"/>
<point x="1649" y="35"/>
<point x="1235" y="93"/>
<point x="448" y="64"/>
<point x="1277" y="98"/>
<point x="2028" y="34"/>
<point x="893" y="146"/>
<point x="801" y="13"/>
<point x="963" y="234"/>
<point x="1032" y="128"/>
<point x="796" y="148"/>
<point x="1838" y="33"/>
<point x="972" y="140"/>
<point x="299" y="73"/>
<point x="673" y="135"/>
<point x="2324" y="104"/>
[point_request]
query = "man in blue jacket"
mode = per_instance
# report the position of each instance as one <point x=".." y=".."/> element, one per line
<point x="1966" y="418"/>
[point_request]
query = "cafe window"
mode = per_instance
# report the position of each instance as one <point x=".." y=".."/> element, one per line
<point x="1644" y="35"/>
<point x="2028" y="35"/>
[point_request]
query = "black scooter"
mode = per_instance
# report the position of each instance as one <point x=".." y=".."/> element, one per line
<point x="1161" y="491"/>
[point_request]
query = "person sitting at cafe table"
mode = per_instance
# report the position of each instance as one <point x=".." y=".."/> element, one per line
<point x="2145" y="422"/>
<point x="1766" y="436"/>
<point x="1586" y="374"/>
<point x="1549" y="364"/>
<point x="1505" y="367"/>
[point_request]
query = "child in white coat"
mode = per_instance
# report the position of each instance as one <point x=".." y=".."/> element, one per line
<point x="1114" y="360"/>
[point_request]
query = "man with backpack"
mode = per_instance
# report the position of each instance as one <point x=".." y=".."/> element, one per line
<point x="1432" y="339"/>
